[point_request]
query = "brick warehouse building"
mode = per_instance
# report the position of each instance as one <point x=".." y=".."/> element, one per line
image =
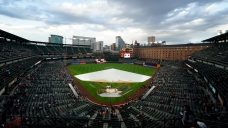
<point x="169" y="52"/>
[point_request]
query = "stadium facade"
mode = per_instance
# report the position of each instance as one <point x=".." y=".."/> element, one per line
<point x="169" y="52"/>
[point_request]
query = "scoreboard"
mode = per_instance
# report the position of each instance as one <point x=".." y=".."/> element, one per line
<point x="126" y="53"/>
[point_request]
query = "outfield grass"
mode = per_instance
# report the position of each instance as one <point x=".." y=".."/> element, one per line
<point x="86" y="68"/>
<point x="93" y="88"/>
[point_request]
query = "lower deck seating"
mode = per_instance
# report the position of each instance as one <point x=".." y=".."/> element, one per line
<point x="217" y="77"/>
<point x="175" y="87"/>
<point x="47" y="99"/>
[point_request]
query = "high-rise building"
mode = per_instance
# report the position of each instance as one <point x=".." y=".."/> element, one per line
<point x="55" y="39"/>
<point x="81" y="40"/>
<point x="119" y="43"/>
<point x="128" y="45"/>
<point x="136" y="43"/>
<point x="97" y="46"/>
<point x="106" y="48"/>
<point x="151" y="40"/>
<point x="113" y="46"/>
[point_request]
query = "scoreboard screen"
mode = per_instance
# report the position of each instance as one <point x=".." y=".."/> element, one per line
<point x="127" y="55"/>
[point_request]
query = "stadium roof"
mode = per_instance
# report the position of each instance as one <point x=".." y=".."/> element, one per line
<point x="12" y="36"/>
<point x="7" y="35"/>
<point x="48" y="43"/>
<point x="222" y="37"/>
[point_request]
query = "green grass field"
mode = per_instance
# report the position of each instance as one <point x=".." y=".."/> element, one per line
<point x="93" y="88"/>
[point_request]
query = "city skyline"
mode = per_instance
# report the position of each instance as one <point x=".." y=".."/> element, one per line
<point x="175" y="22"/>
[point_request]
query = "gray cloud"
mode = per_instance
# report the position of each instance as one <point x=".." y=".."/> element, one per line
<point x="154" y="17"/>
<point x="22" y="9"/>
<point x="165" y="19"/>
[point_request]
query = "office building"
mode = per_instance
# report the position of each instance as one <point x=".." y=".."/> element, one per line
<point x="97" y="46"/>
<point x="151" y="40"/>
<point x="113" y="46"/>
<point x="55" y="39"/>
<point x="119" y="43"/>
<point x="81" y="40"/>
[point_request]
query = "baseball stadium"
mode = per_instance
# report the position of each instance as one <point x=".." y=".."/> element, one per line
<point x="113" y="64"/>
<point x="49" y="85"/>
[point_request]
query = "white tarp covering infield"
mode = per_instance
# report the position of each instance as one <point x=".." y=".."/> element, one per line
<point x="112" y="75"/>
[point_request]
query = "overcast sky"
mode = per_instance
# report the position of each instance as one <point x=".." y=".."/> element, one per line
<point x="175" y="21"/>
